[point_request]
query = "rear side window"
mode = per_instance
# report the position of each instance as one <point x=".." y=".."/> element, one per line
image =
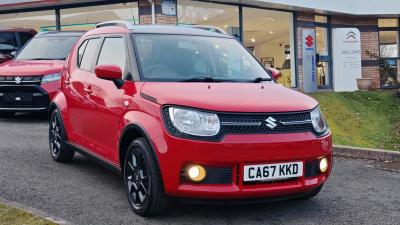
<point x="89" y="54"/>
<point x="113" y="52"/>
<point x="7" y="41"/>
<point x="25" y="37"/>
<point x="81" y="50"/>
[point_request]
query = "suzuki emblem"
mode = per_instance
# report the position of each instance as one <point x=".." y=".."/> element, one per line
<point x="18" y="80"/>
<point x="271" y="122"/>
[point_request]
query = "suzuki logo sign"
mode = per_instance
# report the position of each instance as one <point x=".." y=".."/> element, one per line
<point x="309" y="41"/>
<point x="271" y="122"/>
<point x="18" y="80"/>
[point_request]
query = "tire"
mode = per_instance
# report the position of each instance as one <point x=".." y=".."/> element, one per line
<point x="313" y="193"/>
<point x="57" y="140"/>
<point x="6" y="114"/>
<point x="143" y="182"/>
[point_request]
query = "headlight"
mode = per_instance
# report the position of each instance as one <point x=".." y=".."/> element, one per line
<point x="51" y="77"/>
<point x="318" y="121"/>
<point x="194" y="122"/>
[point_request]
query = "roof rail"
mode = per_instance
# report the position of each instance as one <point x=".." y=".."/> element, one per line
<point x="118" y="23"/>
<point x="209" y="28"/>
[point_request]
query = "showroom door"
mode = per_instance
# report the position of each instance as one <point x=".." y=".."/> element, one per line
<point x="323" y="52"/>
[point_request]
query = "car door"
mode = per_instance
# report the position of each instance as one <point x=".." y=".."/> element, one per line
<point x="77" y="93"/>
<point x="107" y="100"/>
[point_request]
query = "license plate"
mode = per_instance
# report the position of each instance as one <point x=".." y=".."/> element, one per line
<point x="268" y="172"/>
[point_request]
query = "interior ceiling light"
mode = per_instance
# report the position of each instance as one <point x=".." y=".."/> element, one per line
<point x="271" y="32"/>
<point x="253" y="40"/>
<point x="269" y="18"/>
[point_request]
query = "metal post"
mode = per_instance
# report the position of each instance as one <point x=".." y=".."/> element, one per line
<point x="241" y="23"/>
<point x="58" y="20"/>
<point x="153" y="12"/>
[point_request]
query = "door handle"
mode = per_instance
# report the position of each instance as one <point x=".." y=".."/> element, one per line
<point x="88" y="90"/>
<point x="67" y="82"/>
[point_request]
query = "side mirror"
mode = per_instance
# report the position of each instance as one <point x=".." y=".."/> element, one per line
<point x="110" y="72"/>
<point x="275" y="73"/>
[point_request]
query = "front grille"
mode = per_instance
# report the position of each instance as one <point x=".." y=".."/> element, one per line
<point x="242" y="123"/>
<point x="251" y="123"/>
<point x="21" y="80"/>
<point x="214" y="175"/>
<point x="23" y="96"/>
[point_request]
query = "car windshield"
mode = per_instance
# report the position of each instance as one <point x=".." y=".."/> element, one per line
<point x="47" y="48"/>
<point x="195" y="59"/>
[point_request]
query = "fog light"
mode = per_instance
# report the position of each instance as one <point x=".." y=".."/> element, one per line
<point x="195" y="173"/>
<point x="323" y="165"/>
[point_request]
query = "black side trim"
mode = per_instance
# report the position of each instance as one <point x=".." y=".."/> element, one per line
<point x="94" y="158"/>
<point x="148" y="97"/>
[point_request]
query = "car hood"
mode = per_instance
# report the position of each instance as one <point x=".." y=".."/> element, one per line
<point x="29" y="68"/>
<point x="230" y="97"/>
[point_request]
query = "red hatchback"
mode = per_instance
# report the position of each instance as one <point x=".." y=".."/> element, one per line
<point x="30" y="81"/>
<point x="187" y="114"/>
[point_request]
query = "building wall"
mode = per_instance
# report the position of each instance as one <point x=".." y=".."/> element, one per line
<point x="145" y="13"/>
<point x="369" y="43"/>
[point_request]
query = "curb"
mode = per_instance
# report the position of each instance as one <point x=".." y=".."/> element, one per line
<point x="366" y="153"/>
<point x="35" y="212"/>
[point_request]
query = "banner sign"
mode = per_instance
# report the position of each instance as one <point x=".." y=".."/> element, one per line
<point x="309" y="61"/>
<point x="168" y="7"/>
<point x="346" y="49"/>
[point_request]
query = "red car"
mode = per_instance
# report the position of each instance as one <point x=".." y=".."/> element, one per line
<point x="12" y="39"/>
<point x="30" y="81"/>
<point x="187" y="114"/>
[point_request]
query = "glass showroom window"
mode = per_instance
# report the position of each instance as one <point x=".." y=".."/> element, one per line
<point x="35" y="20"/>
<point x="389" y="53"/>
<point x="201" y="13"/>
<point x="269" y="35"/>
<point x="85" y="18"/>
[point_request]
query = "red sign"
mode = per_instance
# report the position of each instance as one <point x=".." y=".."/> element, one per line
<point x="309" y="41"/>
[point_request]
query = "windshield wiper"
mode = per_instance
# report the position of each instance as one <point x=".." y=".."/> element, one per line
<point x="260" y="79"/>
<point x="207" y="79"/>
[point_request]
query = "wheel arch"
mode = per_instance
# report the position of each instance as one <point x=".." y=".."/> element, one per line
<point x="131" y="132"/>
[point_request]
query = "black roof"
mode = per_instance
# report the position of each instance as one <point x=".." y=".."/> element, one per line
<point x="61" y="34"/>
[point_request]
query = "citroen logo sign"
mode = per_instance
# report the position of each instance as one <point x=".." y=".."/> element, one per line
<point x="18" y="80"/>
<point x="271" y="122"/>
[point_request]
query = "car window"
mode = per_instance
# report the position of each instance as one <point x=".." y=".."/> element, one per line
<point x="25" y="37"/>
<point x="181" y="57"/>
<point x="113" y="52"/>
<point x="7" y="42"/>
<point x="89" y="54"/>
<point x="47" y="48"/>
<point x="81" y="50"/>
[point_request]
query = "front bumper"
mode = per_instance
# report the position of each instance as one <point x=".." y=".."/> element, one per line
<point x="233" y="152"/>
<point x="26" y="98"/>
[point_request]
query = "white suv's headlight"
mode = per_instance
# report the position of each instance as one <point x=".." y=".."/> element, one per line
<point x="318" y="121"/>
<point x="194" y="122"/>
<point x="51" y="77"/>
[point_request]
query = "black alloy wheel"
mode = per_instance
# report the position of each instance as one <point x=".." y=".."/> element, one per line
<point x="58" y="149"/>
<point x="142" y="178"/>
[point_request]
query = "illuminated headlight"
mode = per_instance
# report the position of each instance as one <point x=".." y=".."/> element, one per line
<point x="194" y="122"/>
<point x="318" y="121"/>
<point x="51" y="77"/>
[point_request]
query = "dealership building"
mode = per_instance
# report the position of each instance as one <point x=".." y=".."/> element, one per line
<point x="317" y="45"/>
